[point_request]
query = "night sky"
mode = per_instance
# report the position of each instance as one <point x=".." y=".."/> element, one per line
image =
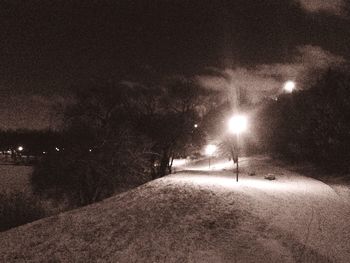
<point x="48" y="47"/>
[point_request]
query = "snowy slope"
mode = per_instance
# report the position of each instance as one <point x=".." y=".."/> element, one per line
<point x="15" y="178"/>
<point x="197" y="216"/>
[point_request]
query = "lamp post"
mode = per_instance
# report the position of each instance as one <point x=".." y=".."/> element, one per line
<point x="210" y="150"/>
<point x="237" y="124"/>
<point x="289" y="86"/>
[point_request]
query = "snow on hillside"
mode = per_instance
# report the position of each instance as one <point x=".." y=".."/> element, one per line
<point x="197" y="216"/>
<point x="15" y="178"/>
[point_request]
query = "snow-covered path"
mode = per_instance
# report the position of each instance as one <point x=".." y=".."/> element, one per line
<point x="197" y="216"/>
<point x="298" y="207"/>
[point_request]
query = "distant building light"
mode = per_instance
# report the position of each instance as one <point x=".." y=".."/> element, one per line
<point x="20" y="148"/>
<point x="196" y="125"/>
<point x="57" y="149"/>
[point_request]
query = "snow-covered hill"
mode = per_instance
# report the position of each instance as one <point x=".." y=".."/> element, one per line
<point x="197" y="216"/>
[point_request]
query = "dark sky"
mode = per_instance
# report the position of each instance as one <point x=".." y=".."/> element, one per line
<point x="48" y="46"/>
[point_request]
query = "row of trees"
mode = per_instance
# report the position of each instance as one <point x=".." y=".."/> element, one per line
<point x="124" y="132"/>
<point x="119" y="133"/>
<point x="34" y="142"/>
<point x="313" y="124"/>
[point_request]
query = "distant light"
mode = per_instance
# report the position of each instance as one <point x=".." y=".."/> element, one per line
<point x="20" y="148"/>
<point x="90" y="150"/>
<point x="289" y="86"/>
<point x="196" y="125"/>
<point x="210" y="149"/>
<point x="238" y="124"/>
<point x="57" y="149"/>
<point x="44" y="152"/>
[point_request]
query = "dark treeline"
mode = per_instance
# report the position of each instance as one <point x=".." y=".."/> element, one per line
<point x="311" y="125"/>
<point x="118" y="133"/>
<point x="128" y="133"/>
<point x="34" y="142"/>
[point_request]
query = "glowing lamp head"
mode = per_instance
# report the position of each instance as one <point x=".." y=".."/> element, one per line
<point x="20" y="148"/>
<point x="289" y="86"/>
<point x="210" y="149"/>
<point x="196" y="125"/>
<point x="238" y="124"/>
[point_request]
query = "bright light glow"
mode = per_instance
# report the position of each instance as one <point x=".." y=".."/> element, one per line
<point x="210" y="149"/>
<point x="20" y="148"/>
<point x="289" y="86"/>
<point x="90" y="150"/>
<point x="238" y="124"/>
<point x="57" y="149"/>
<point x="196" y="125"/>
<point x="225" y="182"/>
<point x="216" y="165"/>
<point x="179" y="162"/>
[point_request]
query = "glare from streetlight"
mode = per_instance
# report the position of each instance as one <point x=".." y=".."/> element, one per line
<point x="289" y="86"/>
<point x="210" y="149"/>
<point x="20" y="148"/>
<point x="196" y="125"/>
<point x="238" y="124"/>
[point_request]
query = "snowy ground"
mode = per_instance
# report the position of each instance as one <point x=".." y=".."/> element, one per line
<point x="15" y="178"/>
<point x="199" y="215"/>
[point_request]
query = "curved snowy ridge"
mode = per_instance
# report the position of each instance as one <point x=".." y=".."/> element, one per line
<point x="196" y="216"/>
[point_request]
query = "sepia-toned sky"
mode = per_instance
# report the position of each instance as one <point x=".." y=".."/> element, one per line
<point x="47" y="47"/>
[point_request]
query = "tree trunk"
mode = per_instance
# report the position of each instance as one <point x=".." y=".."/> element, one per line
<point x="170" y="164"/>
<point x="164" y="163"/>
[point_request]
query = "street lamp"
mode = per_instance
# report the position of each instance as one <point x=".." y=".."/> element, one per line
<point x="237" y="125"/>
<point x="210" y="150"/>
<point x="20" y="148"/>
<point x="289" y="86"/>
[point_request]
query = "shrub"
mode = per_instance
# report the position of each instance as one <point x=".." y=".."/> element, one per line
<point x="17" y="209"/>
<point x="82" y="177"/>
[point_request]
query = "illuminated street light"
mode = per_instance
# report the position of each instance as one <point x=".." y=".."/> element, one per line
<point x="57" y="149"/>
<point x="210" y="150"/>
<point x="20" y="148"/>
<point x="196" y="125"/>
<point x="237" y="124"/>
<point x="289" y="86"/>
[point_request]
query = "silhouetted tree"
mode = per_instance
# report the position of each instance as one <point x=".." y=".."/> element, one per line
<point x="101" y="149"/>
<point x="312" y="124"/>
<point x="121" y="133"/>
<point x="168" y="117"/>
